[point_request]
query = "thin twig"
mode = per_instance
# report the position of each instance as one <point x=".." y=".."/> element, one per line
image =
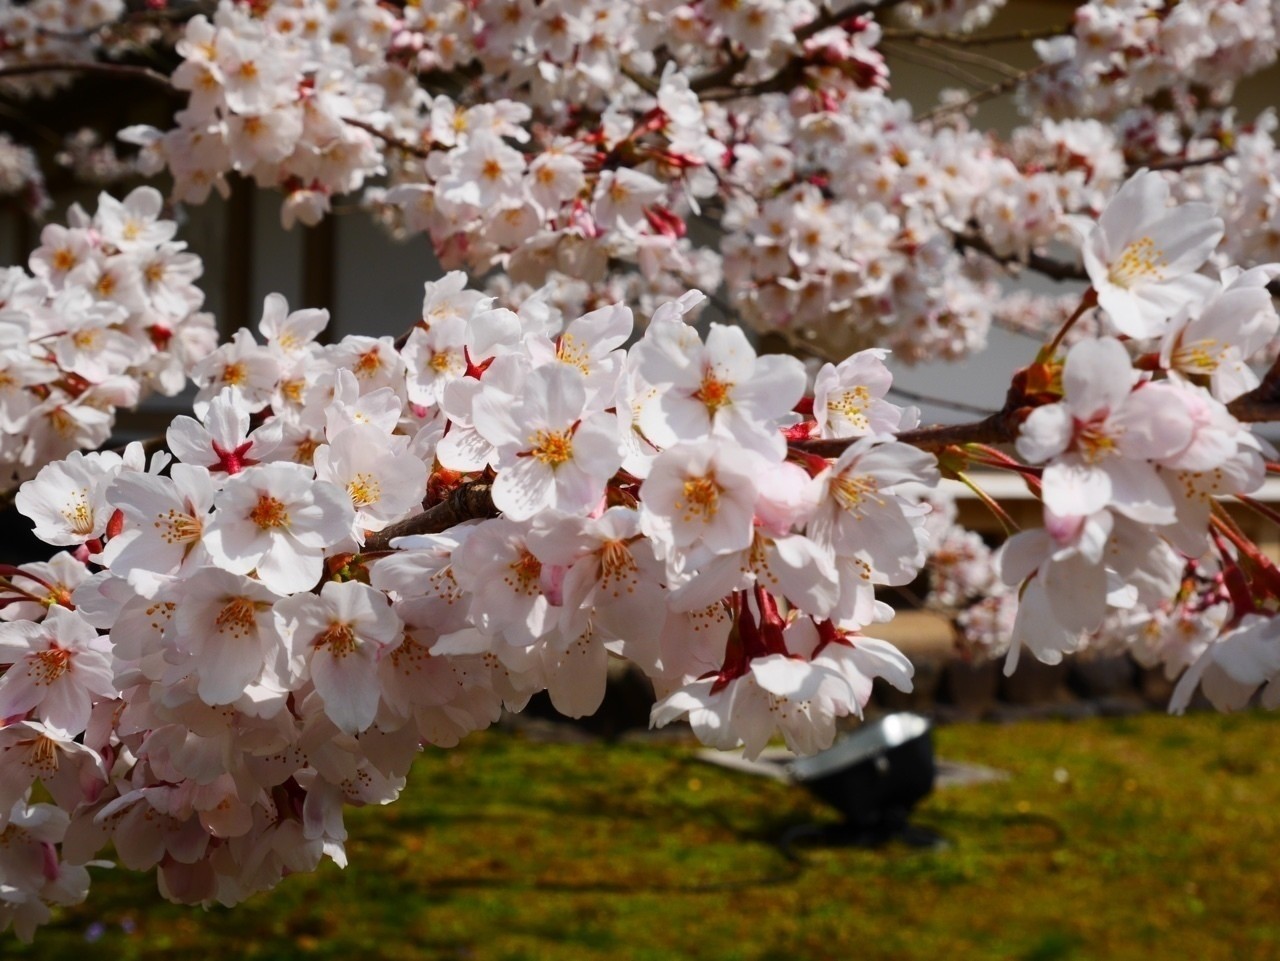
<point x="981" y="96"/>
<point x="935" y="63"/>
<point x="387" y="138"/>
<point x="968" y="56"/>
<point x="998" y="428"/>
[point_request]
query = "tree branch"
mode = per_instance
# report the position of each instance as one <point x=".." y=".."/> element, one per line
<point x="990" y="93"/>
<point x="998" y="428"/>
<point x="387" y="138"/>
<point x="1048" y="266"/>
<point x="468" y="502"/>
<point x="1183" y="163"/>
<point x="970" y="40"/>
<point x="90" y="67"/>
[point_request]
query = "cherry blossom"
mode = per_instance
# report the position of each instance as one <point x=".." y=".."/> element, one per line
<point x="1142" y="257"/>
<point x="58" y="667"/>
<point x="342" y="635"/>
<point x="268" y="630"/>
<point x="277" y="520"/>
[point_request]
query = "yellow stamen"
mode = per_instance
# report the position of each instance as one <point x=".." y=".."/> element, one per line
<point x="339" y="639"/>
<point x="269" y="513"/>
<point x="553" y="448"/>
<point x="701" y="498"/>
<point x="1139" y="263"/>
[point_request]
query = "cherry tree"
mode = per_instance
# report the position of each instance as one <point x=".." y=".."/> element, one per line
<point x="354" y="549"/>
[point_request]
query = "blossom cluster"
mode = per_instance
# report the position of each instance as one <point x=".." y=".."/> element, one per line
<point x="240" y="639"/>
<point x="356" y="549"/>
<point x="1119" y="54"/>
<point x="108" y="313"/>
<point x="49" y="31"/>
<point x="570" y="144"/>
<point x="1138" y="443"/>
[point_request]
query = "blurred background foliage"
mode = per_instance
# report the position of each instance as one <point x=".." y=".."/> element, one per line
<point x="1120" y="838"/>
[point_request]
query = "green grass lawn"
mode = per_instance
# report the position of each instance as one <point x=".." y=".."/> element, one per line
<point x="1138" y="838"/>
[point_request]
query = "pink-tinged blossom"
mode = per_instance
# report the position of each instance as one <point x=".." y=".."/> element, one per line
<point x="463" y="448"/>
<point x="57" y="427"/>
<point x="87" y="340"/>
<point x="858" y="659"/>
<point x="1142" y="255"/>
<point x="290" y="332"/>
<point x="421" y="571"/>
<point x="775" y="694"/>
<point x="495" y="566"/>
<point x="621" y="198"/>
<point x="373" y="360"/>
<point x="791" y="567"/>
<point x="342" y="635"/>
<point x="434" y="357"/>
<point x="51" y="581"/>
<point x="1065" y="594"/>
<point x="1194" y="492"/>
<point x="1232" y="669"/>
<point x="482" y="173"/>
<point x="611" y="575"/>
<point x="35" y="877"/>
<point x="58" y="668"/>
<point x="576" y="669"/>
<point x="349" y="404"/>
<point x="445" y="697"/>
<point x="278" y="520"/>
<point x="760" y="686"/>
<point x="1101" y="439"/>
<point x="134" y="223"/>
<point x="31" y="751"/>
<point x="591" y="344"/>
<point x="244" y="366"/>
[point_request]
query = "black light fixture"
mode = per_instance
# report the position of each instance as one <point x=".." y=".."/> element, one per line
<point x="874" y="777"/>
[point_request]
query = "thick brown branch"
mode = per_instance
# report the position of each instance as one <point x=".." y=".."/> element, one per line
<point x="1054" y="269"/>
<point x="1183" y="163"/>
<point x="978" y="40"/>
<point x="999" y="428"/>
<point x="1262" y="404"/>
<point x="469" y="502"/>
<point x="89" y="67"/>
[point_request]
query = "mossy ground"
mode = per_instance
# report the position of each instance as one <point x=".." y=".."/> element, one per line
<point x="1136" y="838"/>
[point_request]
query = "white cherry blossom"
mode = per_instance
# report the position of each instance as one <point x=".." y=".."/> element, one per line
<point x="1142" y="256"/>
<point x="342" y="635"/>
<point x="277" y="520"/>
